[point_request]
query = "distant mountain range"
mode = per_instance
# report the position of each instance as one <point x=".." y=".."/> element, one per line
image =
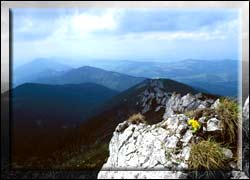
<point x="217" y="76"/>
<point x="41" y="71"/>
<point x="38" y="68"/>
<point x="109" y="79"/>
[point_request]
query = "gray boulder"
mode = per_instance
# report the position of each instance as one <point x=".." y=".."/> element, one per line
<point x="178" y="104"/>
<point x="245" y="144"/>
<point x="246" y="116"/>
<point x="145" y="147"/>
<point x="213" y="124"/>
<point x="238" y="175"/>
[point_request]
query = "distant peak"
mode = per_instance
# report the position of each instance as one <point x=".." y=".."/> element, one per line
<point x="88" y="67"/>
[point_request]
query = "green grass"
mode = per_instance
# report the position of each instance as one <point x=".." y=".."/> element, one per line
<point x="228" y="113"/>
<point x="197" y="113"/>
<point x="207" y="155"/>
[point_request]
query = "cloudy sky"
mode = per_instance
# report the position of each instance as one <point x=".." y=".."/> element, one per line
<point x="131" y="34"/>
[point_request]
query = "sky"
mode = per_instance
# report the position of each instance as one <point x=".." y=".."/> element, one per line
<point x="141" y="34"/>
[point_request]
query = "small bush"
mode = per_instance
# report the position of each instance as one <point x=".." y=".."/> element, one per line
<point x="207" y="155"/>
<point x="137" y="119"/>
<point x="190" y="113"/>
<point x="196" y="114"/>
<point x="228" y="112"/>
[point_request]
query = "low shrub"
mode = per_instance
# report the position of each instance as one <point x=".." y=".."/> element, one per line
<point x="137" y="119"/>
<point x="228" y="111"/>
<point x="197" y="113"/>
<point x="207" y="155"/>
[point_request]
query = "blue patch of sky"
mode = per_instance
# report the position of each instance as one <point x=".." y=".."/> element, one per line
<point x="132" y="34"/>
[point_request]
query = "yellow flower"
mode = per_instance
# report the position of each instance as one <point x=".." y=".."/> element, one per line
<point x="194" y="124"/>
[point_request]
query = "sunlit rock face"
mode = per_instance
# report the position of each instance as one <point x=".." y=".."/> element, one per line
<point x="246" y="115"/>
<point x="155" y="98"/>
<point x="162" y="150"/>
<point x="144" y="147"/>
<point x="245" y="146"/>
<point x="179" y="104"/>
<point x="164" y="146"/>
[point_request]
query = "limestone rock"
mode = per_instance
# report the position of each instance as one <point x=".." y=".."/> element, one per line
<point x="228" y="153"/>
<point x="202" y="120"/>
<point x="246" y="116"/>
<point x="238" y="175"/>
<point x="216" y="104"/>
<point x="158" y="108"/>
<point x="179" y="104"/>
<point x="164" y="146"/>
<point x="148" y="147"/>
<point x="171" y="141"/>
<point x="213" y="124"/>
<point x="187" y="137"/>
<point x="141" y="175"/>
<point x="245" y="144"/>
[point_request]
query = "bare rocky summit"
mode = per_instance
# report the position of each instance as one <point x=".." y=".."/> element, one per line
<point x="138" y="150"/>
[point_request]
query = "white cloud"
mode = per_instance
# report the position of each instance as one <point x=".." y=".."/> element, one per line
<point x="81" y="25"/>
<point x="74" y="35"/>
<point x="85" y="23"/>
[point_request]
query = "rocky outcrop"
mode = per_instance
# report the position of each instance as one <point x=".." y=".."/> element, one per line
<point x="153" y="94"/>
<point x="213" y="124"/>
<point x="162" y="146"/>
<point x="155" y="98"/>
<point x="245" y="144"/>
<point x="178" y="104"/>
<point x="144" y="147"/>
<point x="246" y="116"/>
<point x="136" y="151"/>
<point x="238" y="175"/>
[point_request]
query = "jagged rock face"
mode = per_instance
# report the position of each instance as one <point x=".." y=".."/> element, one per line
<point x="141" y="175"/>
<point x="145" y="147"/>
<point x="164" y="146"/>
<point x="246" y="116"/>
<point x="213" y="124"/>
<point x="246" y="137"/>
<point x="171" y="102"/>
<point x="154" y="93"/>
<point x="149" y="147"/>
<point x="179" y="104"/>
<point x="238" y="175"/>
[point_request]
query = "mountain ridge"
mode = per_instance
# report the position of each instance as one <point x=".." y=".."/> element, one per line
<point x="36" y="69"/>
<point x="110" y="79"/>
